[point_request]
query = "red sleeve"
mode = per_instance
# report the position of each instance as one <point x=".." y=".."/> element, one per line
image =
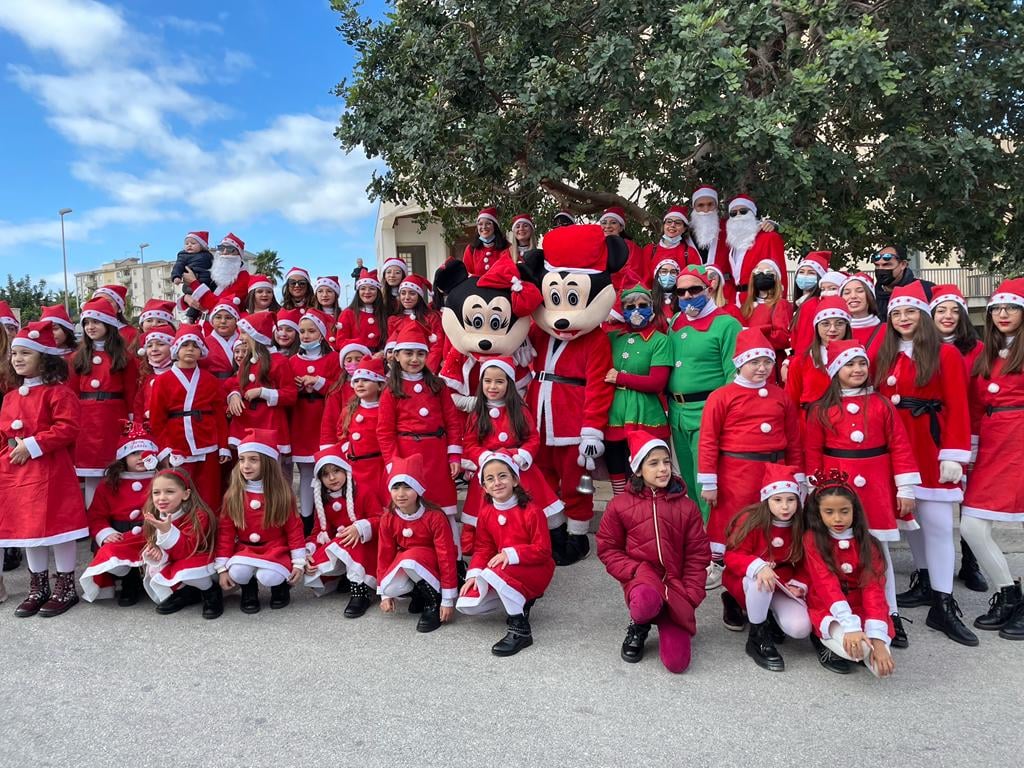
<point x="872" y="595"/>
<point x="711" y="422"/>
<point x="293" y="531"/>
<point x="453" y="420"/>
<point x="225" y="546"/>
<point x="158" y="410"/>
<point x="330" y="424"/>
<point x="471" y="448"/>
<point x="652" y="383"/>
<point x="139" y="405"/>
<point x="130" y="383"/>
<point x="188" y="538"/>
<point x="444" y="545"/>
<point x="532" y="443"/>
<point x="794" y="440"/>
<point x="956" y="422"/>
<point x="219" y="410"/>
<point x="386" y="549"/>
<point x="344" y="328"/>
<point x="282" y="380"/>
<point x="777" y="329"/>
<point x="437" y="345"/>
<point x="469" y="260"/>
<point x="696" y="555"/>
<point x="738" y="557"/>
<point x="387" y="427"/>
<point x="814" y="444"/>
<point x="484" y="547"/>
<point x="99" y="510"/>
<point x="599" y="393"/>
<point x="611" y="543"/>
<point x="794" y="380"/>
<point x="823" y="588"/>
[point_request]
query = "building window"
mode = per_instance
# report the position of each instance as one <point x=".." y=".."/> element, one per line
<point x="415" y="256"/>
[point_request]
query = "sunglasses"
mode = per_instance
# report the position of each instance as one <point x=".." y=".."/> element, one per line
<point x="886" y="257"/>
<point x="297" y="282"/>
<point x="738" y="212"/>
<point x="638" y="305"/>
<point x="693" y="290"/>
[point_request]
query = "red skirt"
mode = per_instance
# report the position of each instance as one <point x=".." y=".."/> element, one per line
<point x="97" y="580"/>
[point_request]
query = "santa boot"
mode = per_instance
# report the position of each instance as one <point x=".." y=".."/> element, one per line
<point x="945" y="617"/>
<point x="633" y="646"/>
<point x="970" y="574"/>
<point x="38" y="594"/>
<point x="182" y="597"/>
<point x="250" y="597"/>
<point x="899" y="638"/>
<point x="358" y="602"/>
<point x="131" y="588"/>
<point x="762" y="650"/>
<point x="63" y="598"/>
<point x="280" y="595"/>
<point x="577" y="548"/>
<point x="920" y="592"/>
<point x="213" y="602"/>
<point x="559" y="542"/>
<point x="430" y="619"/>
<point x="829" y="660"/>
<point x="528" y="605"/>
<point x="732" y="614"/>
<point x="1000" y="608"/>
<point x="519" y="636"/>
<point x="12" y="558"/>
<point x="1014" y="628"/>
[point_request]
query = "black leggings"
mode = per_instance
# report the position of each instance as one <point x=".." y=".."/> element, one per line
<point x="616" y="457"/>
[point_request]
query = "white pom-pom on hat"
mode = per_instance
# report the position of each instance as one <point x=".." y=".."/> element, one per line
<point x="33" y="334"/>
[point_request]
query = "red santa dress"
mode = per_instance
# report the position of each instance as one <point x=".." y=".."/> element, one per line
<point x="181" y="561"/>
<point x="328" y="557"/>
<point x="307" y="414"/>
<point x="105" y="397"/>
<point x="361" y="328"/>
<point x="115" y="511"/>
<point x="757" y="549"/>
<point x="275" y="548"/>
<point x="270" y="409"/>
<point x="416" y="547"/>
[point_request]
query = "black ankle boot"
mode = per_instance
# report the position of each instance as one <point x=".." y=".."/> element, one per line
<point x="12" y="558"/>
<point x="970" y="574"/>
<point x="577" y="548"/>
<point x="307" y="526"/>
<point x="528" y="605"/>
<point x="430" y="619"/>
<point x="280" y="595"/>
<point x="131" y="588"/>
<point x="415" y="601"/>
<point x="250" y="596"/>
<point x="182" y="597"/>
<point x="945" y="617"/>
<point x="559" y="543"/>
<point x="1014" y="628"/>
<point x="920" y="592"/>
<point x="213" y="601"/>
<point x="829" y="660"/>
<point x="1000" y="608"/>
<point x="899" y="636"/>
<point x="461" y="569"/>
<point x="358" y="601"/>
<point x="519" y="636"/>
<point x="762" y="650"/>
<point x="633" y="645"/>
<point x="775" y="631"/>
<point x="732" y="614"/>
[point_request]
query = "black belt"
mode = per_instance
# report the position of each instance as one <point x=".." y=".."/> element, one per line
<point x="423" y="435"/>
<point x="990" y="409"/>
<point x="194" y="414"/>
<point x="100" y="396"/>
<point x="919" y="407"/>
<point x="303" y="395"/>
<point x="124" y="526"/>
<point x="692" y="397"/>
<point x="224" y="374"/>
<point x="773" y="456"/>
<point x="554" y="378"/>
<point x="742" y="287"/>
<point x="855" y="453"/>
<point x="376" y="455"/>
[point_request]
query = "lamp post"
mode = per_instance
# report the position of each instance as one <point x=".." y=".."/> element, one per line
<point x="64" y="253"/>
<point x="142" y="252"/>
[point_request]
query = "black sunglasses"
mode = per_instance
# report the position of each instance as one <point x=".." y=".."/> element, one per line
<point x="297" y="282"/>
<point x="886" y="257"/>
<point x="693" y="290"/>
<point x="738" y="212"/>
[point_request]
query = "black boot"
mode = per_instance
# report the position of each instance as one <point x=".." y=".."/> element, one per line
<point x="829" y="660"/>
<point x="1000" y="608"/>
<point x="920" y="592"/>
<point x="358" y="601"/>
<point x="64" y="596"/>
<point x="12" y="558"/>
<point x="577" y="548"/>
<point x="518" y="637"/>
<point x="528" y="605"/>
<point x="342" y="587"/>
<point x="430" y="619"/>
<point x="38" y="594"/>
<point x="131" y="588"/>
<point x="1014" y="628"/>
<point x="945" y="617"/>
<point x="280" y="595"/>
<point x="633" y="645"/>
<point x="970" y="574"/>
<point x="416" y="601"/>
<point x="460" y="571"/>
<point x="732" y="614"/>
<point x="899" y="637"/>
<point x="559" y="543"/>
<point x="250" y="597"/>
<point x="213" y="601"/>
<point x="182" y="597"/>
<point x="307" y="526"/>
<point x="775" y="631"/>
<point x="762" y="650"/>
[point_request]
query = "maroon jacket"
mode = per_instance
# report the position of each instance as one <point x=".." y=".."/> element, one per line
<point x="658" y="539"/>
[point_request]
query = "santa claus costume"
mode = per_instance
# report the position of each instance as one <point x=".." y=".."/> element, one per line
<point x="670" y="247"/>
<point x="806" y="294"/>
<point x="513" y="529"/>
<point x="365" y="322"/>
<point x="231" y="279"/>
<point x="415" y="551"/>
<point x="936" y="417"/>
<point x="393" y="272"/>
<point x="767" y="309"/>
<point x="808" y="378"/>
<point x="749" y="245"/>
<point x="220" y="360"/>
<point x="43" y="509"/>
<point x="155" y="348"/>
<point x="115" y="520"/>
<point x="260" y="296"/>
<point x="482" y="254"/>
<point x="412" y="295"/>
<point x="156" y="312"/>
<point x="707" y="235"/>
<point x="271" y="377"/>
<point x="868" y="330"/>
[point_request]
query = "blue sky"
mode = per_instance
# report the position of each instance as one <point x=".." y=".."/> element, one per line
<point x="150" y="119"/>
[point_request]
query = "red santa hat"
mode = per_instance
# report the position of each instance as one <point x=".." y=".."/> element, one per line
<point x="416" y="283"/>
<point x="229" y="308"/>
<point x="631" y="282"/>
<point x="7" y="316"/>
<point x="750" y="345"/>
<point x="863" y="277"/>
<point x="1009" y="292"/>
<point x="164" y="333"/>
<point x="563" y="214"/>
<point x="185" y="333"/>
<point x="118" y="294"/>
<point x="523" y="217"/>
<point x="353" y="346"/>
<point x="678" y="212"/>
<point x="581" y="249"/>
<point x="408" y="470"/>
<point x="297" y="273"/>
<point x="841" y="352"/>
<point x="764" y="264"/>
<point x="505" y="364"/>
<point x="368" y="277"/>
<point x="947" y="292"/>
<point x="371" y="369"/>
<point x="671" y="263"/>
<point x="743" y="201"/>
<point x="716" y="270"/>
<point x="259" y="281"/>
<point x="234" y="241"/>
<point x="488" y="456"/>
<point x="504" y="276"/>
<point x="100" y="309"/>
<point x="136" y="437"/>
<point x="331" y="456"/>
<point x="835" y="278"/>
<point x="411" y="336"/>
<point x="910" y="295"/>
<point x="156" y="309"/>
<point x="55" y="313"/>
<point x="779" y="478"/>
<point x="262" y="441"/>
<point x="615" y="213"/>
<point x="816" y="260"/>
<point x="395" y="262"/>
<point x="831" y="307"/>
<point x="329" y="281"/>
<point x="38" y="336"/>
<point x="642" y="443"/>
<point x="289" y="318"/>
<point x="704" y="190"/>
<point x="201" y="237"/>
<point x="488" y="214"/>
<point x="260" y="327"/>
<point x="321" y="320"/>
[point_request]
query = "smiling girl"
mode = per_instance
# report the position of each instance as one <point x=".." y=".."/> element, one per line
<point x="365" y="320"/>
<point x="807" y="379"/>
<point x="490" y="243"/>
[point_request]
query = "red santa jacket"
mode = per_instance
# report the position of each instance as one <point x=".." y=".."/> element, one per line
<point x="103" y="379"/>
<point x="338" y="515"/>
<point x="461" y="373"/>
<point x="119" y="511"/>
<point x="806" y="382"/>
<point x="181" y="541"/>
<point x="431" y="324"/>
<point x="479" y="260"/>
<point x="220" y="360"/>
<point x="564" y="409"/>
<point x="773" y="321"/>
<point x="425" y="529"/>
<point x="307" y="415"/>
<point x="233" y="294"/>
<point x="758" y="549"/>
<point x="187" y="413"/>
<point x="420" y="412"/>
<point x="257" y="544"/>
<point x="144" y="394"/>
<point x="359" y="327"/>
<point x="522" y="534"/>
<point x="682" y="254"/>
<point x="870" y="337"/>
<point x="502" y="438"/>
<point x="767" y="246"/>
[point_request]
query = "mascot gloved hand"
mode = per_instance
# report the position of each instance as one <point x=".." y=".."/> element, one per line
<point x="591" y="446"/>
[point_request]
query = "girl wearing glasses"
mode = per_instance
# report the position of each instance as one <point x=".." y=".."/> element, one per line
<point x="673" y="246"/>
<point x="298" y="290"/>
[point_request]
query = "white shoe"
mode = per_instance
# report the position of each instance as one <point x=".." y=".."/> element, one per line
<point x="714" y="580"/>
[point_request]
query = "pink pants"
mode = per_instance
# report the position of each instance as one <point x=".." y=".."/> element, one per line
<point x="645" y="607"/>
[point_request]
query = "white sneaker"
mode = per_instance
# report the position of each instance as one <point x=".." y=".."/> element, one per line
<point x="714" y="580"/>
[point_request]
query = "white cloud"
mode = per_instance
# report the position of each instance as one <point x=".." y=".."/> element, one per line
<point x="79" y="31"/>
<point x="190" y="26"/>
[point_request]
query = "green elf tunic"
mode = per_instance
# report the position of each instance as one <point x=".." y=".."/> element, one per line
<point x="636" y="353"/>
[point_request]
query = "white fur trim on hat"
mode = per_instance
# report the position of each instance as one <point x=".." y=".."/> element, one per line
<point x="571" y="270"/>
<point x="941" y="297"/>
<point x="395" y="262"/>
<point x="903" y="302"/>
<point x="363" y="373"/>
<point x="859" y="277"/>
<point x="818" y="269"/>
<point x="334" y="460"/>
<point x="409" y="480"/>
<point x="410" y="345"/>
<point x="1006" y="298"/>
<point x="835" y="278"/>
<point x="664" y="263"/>
<point x="297" y="272"/>
<point x="246" y="326"/>
<point x="135" y="446"/>
<point x="166" y="338"/>
<point x="782" y="486"/>
<point x="199" y="340"/>
<point x="103" y="317"/>
<point x="195" y="236"/>
<point x="412" y="287"/>
<point x="613" y="216"/>
<point x="151" y="314"/>
<point x="489" y="456"/>
<point x="501" y="365"/>
<point x="487" y="217"/>
<point x="286" y="322"/>
<point x="638" y="459"/>
<point x="261" y="284"/>
<point x="354" y="346"/>
<point x="369" y="281"/>
<point x="229" y="308"/>
<point x="36" y="346"/>
<point x="326" y="282"/>
<point x="101" y="291"/>
<point x="843" y="358"/>
<point x="832" y="312"/>
<point x="266" y="450"/>
<point x="517" y="219"/>
<point x="753" y="354"/>
<point x="676" y="215"/>
<point x="317" y="322"/>
<point x="704" y="191"/>
<point x="743" y="202"/>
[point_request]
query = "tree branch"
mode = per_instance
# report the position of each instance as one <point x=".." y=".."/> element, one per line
<point x="589" y="201"/>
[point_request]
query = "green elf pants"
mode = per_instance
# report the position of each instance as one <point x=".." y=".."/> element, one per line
<point x="684" y="419"/>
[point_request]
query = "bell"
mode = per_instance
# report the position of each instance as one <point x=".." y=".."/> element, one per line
<point x="585" y="485"/>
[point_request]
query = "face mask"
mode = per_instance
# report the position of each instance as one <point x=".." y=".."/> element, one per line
<point x="884" y="277"/>
<point x="830" y="293"/>
<point x="486" y="240"/>
<point x="350" y="368"/>
<point x="309" y="346"/>
<point x="697" y="303"/>
<point x="640" y="316"/>
<point x="806" y="282"/>
<point x="667" y="281"/>
<point x="671" y="242"/>
<point x="763" y="282"/>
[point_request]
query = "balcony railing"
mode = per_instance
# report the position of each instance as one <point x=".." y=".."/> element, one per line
<point x="975" y="284"/>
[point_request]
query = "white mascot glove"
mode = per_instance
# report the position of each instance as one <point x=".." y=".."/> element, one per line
<point x="950" y="472"/>
<point x="591" y="445"/>
<point x="525" y="354"/>
<point x="464" y="403"/>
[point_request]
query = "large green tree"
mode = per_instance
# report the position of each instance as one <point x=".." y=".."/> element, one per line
<point x="28" y="296"/>
<point x="853" y="123"/>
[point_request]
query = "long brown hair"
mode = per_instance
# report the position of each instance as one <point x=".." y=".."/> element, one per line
<point x="868" y="549"/>
<point x="394" y="383"/>
<point x="380" y="310"/>
<point x="7" y="378"/>
<point x="353" y="406"/>
<point x="113" y="345"/>
<point x="262" y="360"/>
<point x="993" y="342"/>
<point x="112" y="474"/>
<point x="250" y="303"/>
<point x="927" y="343"/>
<point x="480" y="417"/>
<point x="195" y="510"/>
<point x="758" y="517"/>
<point x="815" y="349"/>
<point x="278" y="498"/>
<point x="965" y="338"/>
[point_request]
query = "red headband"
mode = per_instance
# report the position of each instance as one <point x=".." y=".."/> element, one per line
<point x="183" y="476"/>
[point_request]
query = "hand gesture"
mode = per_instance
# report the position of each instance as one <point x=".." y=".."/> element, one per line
<point x="235" y="406"/>
<point x="162" y="524"/>
<point x="467" y="585"/>
<point x="765" y="579"/>
<point x="349" y="536"/>
<point x="19" y="454"/>
<point x="500" y="560"/>
<point x="226" y="582"/>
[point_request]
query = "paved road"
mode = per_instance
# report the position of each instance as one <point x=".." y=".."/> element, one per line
<point x="302" y="686"/>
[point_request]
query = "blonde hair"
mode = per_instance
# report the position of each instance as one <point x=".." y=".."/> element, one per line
<point x="279" y="500"/>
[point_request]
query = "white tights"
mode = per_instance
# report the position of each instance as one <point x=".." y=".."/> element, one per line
<point x="457" y="534"/>
<point x="978" y="535"/>
<point x="890" y="579"/>
<point x="932" y="546"/>
<point x="64" y="556"/>
<point x="305" y="488"/>
<point x="91" y="484"/>
<point x="791" y="615"/>
<point x="242" y="574"/>
<point x="835" y="644"/>
<point x="203" y="583"/>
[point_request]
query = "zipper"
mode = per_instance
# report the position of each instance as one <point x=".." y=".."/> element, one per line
<point x="657" y="541"/>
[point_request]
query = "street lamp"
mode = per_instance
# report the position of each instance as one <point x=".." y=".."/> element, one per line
<point x="64" y="253"/>
<point x="142" y="255"/>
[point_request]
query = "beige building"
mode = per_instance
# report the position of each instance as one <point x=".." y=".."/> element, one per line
<point x="149" y="280"/>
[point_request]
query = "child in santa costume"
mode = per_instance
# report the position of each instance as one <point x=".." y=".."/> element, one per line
<point x="344" y="541"/>
<point x="858" y="291"/>
<point x="767" y="309"/>
<point x="265" y="387"/>
<point x="259" y="534"/>
<point x="415" y="550"/>
<point x="845" y="574"/>
<point x="365" y="319"/>
<point x="412" y="296"/>
<point x="652" y="541"/>
<point x="314" y="369"/>
<point x="104" y="376"/>
<point x="641" y="361"/>
<point x="187" y="417"/>
<point x="260" y="296"/>
<point x="8" y="322"/>
<point x="115" y="520"/>
<point x="807" y="378"/>
<point x="116" y="298"/>
<point x="155" y="350"/>
<point x="995" y="494"/>
<point x="326" y="293"/>
<point x="43" y="510"/>
<point x="674" y="245"/>
<point x="501" y="422"/>
<point x="179" y="531"/>
<point x="746" y="424"/>
<point x="762" y="568"/>
<point x="806" y="294"/>
<point x="511" y="565"/>
<point x="394" y="271"/>
<point x="156" y="312"/>
<point x="195" y="256"/>
<point x="489" y="246"/>
<point x="221" y="341"/>
<point x="231" y="281"/>
<point x="286" y="332"/>
<point x="855" y="430"/>
<point x="63" y="328"/>
<point x="924" y="378"/>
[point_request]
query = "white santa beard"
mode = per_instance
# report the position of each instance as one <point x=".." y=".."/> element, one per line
<point x="704" y="227"/>
<point x="225" y="269"/>
<point x="741" y="231"/>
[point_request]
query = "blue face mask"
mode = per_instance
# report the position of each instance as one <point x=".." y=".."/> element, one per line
<point x="671" y="242"/>
<point x="698" y="303"/>
<point x="309" y="346"/>
<point x="667" y="281"/>
<point x="639" y="317"/>
<point x="806" y="282"/>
